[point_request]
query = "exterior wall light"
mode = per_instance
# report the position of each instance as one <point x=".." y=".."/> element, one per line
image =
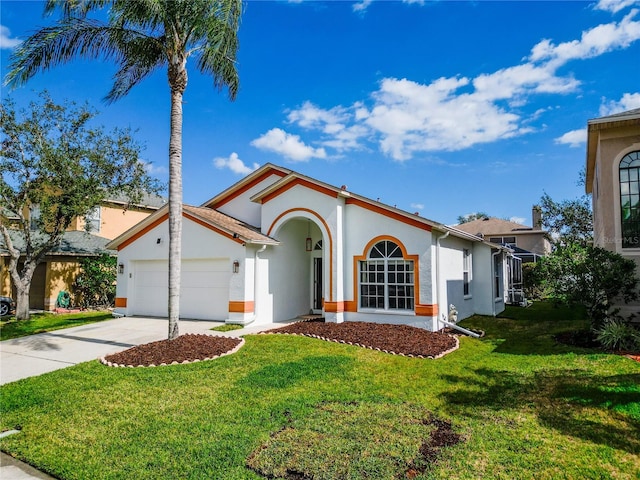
<point x="236" y="266"/>
<point x="121" y="268"/>
<point x="308" y="244"/>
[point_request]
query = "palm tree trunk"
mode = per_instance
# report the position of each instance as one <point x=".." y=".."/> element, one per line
<point x="178" y="82"/>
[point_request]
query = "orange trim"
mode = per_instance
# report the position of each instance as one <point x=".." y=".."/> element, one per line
<point x="211" y="227"/>
<point x="387" y="213"/>
<point x="241" y="307"/>
<point x="142" y="232"/>
<point x="121" y="302"/>
<point x="302" y="182"/>
<point x="246" y="187"/>
<point x="334" y="307"/>
<point x="350" y="306"/>
<point x="427" y="310"/>
<point x="273" y="224"/>
<point x="405" y="255"/>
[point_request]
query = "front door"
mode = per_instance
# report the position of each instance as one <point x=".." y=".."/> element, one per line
<point x="317" y="285"/>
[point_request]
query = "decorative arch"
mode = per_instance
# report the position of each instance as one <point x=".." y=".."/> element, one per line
<point x="309" y="214"/>
<point x="415" y="259"/>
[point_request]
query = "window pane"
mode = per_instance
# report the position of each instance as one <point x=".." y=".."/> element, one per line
<point x="624" y="175"/>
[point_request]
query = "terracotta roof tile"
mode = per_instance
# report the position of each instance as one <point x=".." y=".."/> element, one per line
<point x="232" y="225"/>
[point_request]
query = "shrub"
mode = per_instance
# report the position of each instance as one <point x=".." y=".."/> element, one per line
<point x="95" y="286"/>
<point x="619" y="334"/>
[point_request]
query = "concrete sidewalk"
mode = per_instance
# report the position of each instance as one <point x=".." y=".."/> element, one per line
<point x="45" y="352"/>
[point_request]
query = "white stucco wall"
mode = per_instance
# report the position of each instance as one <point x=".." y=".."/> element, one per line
<point x="242" y="208"/>
<point x="198" y="243"/>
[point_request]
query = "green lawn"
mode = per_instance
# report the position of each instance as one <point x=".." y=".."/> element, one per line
<point x="47" y="322"/>
<point x="525" y="407"/>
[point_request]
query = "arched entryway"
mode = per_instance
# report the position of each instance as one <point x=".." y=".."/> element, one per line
<point x="298" y="270"/>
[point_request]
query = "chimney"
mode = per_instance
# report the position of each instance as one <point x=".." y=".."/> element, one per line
<point x="536" y="217"/>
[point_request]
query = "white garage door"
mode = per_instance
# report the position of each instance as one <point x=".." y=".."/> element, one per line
<point x="204" y="292"/>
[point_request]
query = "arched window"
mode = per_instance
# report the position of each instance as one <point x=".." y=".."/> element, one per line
<point x="630" y="200"/>
<point x="386" y="279"/>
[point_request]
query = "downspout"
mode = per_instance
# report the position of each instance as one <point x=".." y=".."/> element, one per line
<point x="438" y="299"/>
<point x="255" y="281"/>
<point x="494" y="294"/>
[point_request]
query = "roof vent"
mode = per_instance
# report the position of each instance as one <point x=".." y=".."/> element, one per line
<point x="343" y="187"/>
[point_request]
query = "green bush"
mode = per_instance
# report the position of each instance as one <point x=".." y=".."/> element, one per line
<point x="95" y="286"/>
<point x="618" y="334"/>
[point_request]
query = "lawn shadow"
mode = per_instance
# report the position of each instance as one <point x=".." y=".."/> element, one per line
<point x="529" y="335"/>
<point x="601" y="409"/>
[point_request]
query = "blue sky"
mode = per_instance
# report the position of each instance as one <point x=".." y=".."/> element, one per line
<point x="442" y="108"/>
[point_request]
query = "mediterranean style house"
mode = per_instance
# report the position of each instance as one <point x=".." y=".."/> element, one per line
<point x="278" y="244"/>
<point x="85" y="237"/>
<point x="613" y="179"/>
<point x="528" y="243"/>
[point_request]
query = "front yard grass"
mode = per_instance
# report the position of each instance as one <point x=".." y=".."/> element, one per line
<point x="525" y="406"/>
<point x="48" y="322"/>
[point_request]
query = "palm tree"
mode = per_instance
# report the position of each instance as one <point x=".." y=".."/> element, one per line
<point x="143" y="36"/>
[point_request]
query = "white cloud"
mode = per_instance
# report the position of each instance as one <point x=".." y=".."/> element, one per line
<point x="629" y="101"/>
<point x="519" y="220"/>
<point x="234" y="164"/>
<point x="418" y="206"/>
<point x="601" y="39"/>
<point x="614" y="6"/>
<point x="152" y="169"/>
<point x="574" y="138"/>
<point x="288" y="145"/>
<point x="6" y="42"/>
<point x="361" y="6"/>
<point x="405" y="118"/>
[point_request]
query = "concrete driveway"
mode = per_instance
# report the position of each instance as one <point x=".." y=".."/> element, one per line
<point x="37" y="354"/>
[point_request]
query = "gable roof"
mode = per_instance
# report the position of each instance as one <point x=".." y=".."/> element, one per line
<point x="237" y="228"/>
<point x="629" y="118"/>
<point x="73" y="243"/>
<point x="219" y="222"/>
<point x="148" y="200"/>
<point x="251" y="180"/>
<point x="496" y="226"/>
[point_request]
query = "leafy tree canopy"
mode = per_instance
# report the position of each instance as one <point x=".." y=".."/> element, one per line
<point x="54" y="158"/>
<point x="470" y="217"/>
<point x="567" y="221"/>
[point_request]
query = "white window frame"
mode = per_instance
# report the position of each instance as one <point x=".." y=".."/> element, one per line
<point x="93" y="220"/>
<point x="467" y="273"/>
<point x="379" y="277"/>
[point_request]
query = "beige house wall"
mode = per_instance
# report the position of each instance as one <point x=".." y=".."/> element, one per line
<point x="533" y="242"/>
<point x="61" y="274"/>
<point x="114" y="221"/>
<point x="613" y="145"/>
<point x="5" y="277"/>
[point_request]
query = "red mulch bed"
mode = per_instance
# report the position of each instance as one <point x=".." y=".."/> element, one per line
<point x="398" y="339"/>
<point x="184" y="349"/>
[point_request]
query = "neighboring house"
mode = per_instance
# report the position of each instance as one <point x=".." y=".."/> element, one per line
<point x="85" y="237"/>
<point x="613" y="179"/>
<point x="528" y="243"/>
<point x="278" y="244"/>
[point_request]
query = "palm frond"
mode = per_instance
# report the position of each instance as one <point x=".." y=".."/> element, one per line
<point x="58" y="44"/>
<point x="141" y="56"/>
<point x="74" y="8"/>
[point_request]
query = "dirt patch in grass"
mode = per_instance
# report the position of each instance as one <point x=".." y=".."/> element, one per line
<point x="184" y="349"/>
<point x="355" y="440"/>
<point x="398" y="339"/>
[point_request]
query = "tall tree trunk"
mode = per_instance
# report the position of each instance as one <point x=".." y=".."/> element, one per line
<point x="22" y="283"/>
<point x="22" y="301"/>
<point x="178" y="82"/>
